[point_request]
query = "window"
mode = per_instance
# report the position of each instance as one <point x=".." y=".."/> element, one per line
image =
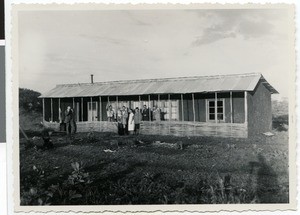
<point x="174" y="110"/>
<point x="170" y="111"/>
<point x="211" y="110"/>
<point x="135" y="104"/>
<point x="149" y="105"/>
<point x="121" y="104"/>
<point x="215" y="111"/>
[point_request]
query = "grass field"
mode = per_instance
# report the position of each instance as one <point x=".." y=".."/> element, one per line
<point x="104" y="168"/>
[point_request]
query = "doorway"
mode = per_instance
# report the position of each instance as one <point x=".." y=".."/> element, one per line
<point x="92" y="111"/>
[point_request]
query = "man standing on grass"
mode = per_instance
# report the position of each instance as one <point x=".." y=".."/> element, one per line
<point x="70" y="121"/>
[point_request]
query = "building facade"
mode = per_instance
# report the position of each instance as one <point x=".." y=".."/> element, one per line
<point x="229" y="105"/>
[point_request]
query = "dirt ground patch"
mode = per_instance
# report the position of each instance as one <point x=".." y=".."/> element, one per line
<point x="104" y="168"/>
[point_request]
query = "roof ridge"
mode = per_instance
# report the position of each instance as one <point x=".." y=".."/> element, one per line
<point x="163" y="79"/>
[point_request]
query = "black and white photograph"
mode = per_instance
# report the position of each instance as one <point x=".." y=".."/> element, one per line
<point x="154" y="105"/>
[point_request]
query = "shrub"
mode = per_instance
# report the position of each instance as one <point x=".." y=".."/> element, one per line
<point x="36" y="194"/>
<point x="29" y="101"/>
<point x="73" y="188"/>
<point x="281" y="122"/>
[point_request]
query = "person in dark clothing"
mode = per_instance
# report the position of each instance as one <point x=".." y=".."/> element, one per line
<point x="48" y="144"/>
<point x="120" y="124"/>
<point x="70" y="121"/>
<point x="145" y="113"/>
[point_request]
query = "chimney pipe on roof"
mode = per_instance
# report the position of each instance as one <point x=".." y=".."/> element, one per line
<point x="92" y="78"/>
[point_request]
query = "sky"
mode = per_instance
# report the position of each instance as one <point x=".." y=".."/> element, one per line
<point x="58" y="47"/>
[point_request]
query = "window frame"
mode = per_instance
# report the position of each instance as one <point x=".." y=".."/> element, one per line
<point x="215" y="106"/>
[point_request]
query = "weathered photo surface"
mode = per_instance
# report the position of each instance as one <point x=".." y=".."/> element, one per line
<point x="181" y="107"/>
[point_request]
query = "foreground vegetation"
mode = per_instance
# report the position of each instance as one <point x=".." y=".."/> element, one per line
<point x="103" y="168"/>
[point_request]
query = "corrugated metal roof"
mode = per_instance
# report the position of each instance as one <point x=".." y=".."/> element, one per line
<point x="221" y="83"/>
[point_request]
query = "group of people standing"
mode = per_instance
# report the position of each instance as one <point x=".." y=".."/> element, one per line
<point x="129" y="120"/>
<point x="151" y="115"/>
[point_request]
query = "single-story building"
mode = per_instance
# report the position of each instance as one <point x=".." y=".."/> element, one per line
<point x="236" y="105"/>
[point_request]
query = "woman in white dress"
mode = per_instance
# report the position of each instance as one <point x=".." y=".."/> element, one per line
<point x="131" y="122"/>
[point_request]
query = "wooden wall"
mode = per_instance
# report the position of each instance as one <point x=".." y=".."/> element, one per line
<point x="95" y="126"/>
<point x="168" y="128"/>
<point x="238" y="107"/>
<point x="259" y="110"/>
<point x="194" y="129"/>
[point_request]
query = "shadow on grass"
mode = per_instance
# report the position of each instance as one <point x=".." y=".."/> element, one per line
<point x="115" y="176"/>
<point x="267" y="187"/>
